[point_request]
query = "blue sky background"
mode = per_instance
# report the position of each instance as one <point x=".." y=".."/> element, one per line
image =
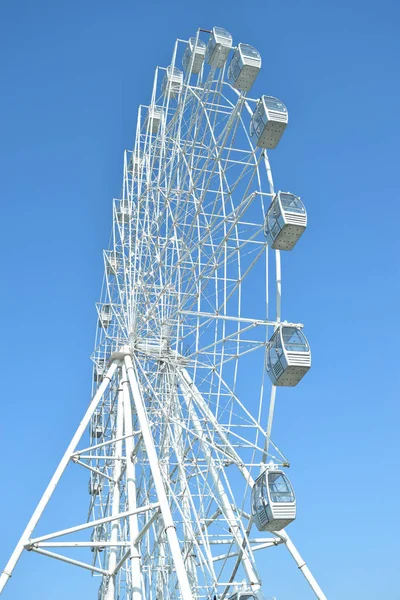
<point x="72" y="76"/>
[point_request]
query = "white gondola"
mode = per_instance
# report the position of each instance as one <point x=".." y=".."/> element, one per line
<point x="243" y="596"/>
<point x="288" y="356"/>
<point x="99" y="369"/>
<point x="218" y="47"/>
<point x="172" y="82"/>
<point x="285" y="221"/>
<point x="124" y="214"/>
<point x="113" y="263"/>
<point x="269" y="122"/>
<point x="98" y="431"/>
<point x="136" y="162"/>
<point x="105" y="316"/>
<point x="97" y="427"/>
<point x="94" y="486"/>
<point x="195" y="52"/>
<point x="98" y="536"/>
<point x="244" y="67"/>
<point x="273" y="501"/>
<point x="154" y="118"/>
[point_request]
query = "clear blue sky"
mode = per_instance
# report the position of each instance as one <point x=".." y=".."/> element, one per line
<point x="72" y="76"/>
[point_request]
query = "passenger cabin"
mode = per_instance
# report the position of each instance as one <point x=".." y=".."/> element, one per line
<point x="99" y="369"/>
<point x="98" y="535"/>
<point x="243" y="596"/>
<point x="105" y="316"/>
<point x="94" y="486"/>
<point x="285" y="221"/>
<point x="136" y="162"/>
<point x="154" y="119"/>
<point x="113" y="263"/>
<point x="194" y="56"/>
<point x="218" y="47"/>
<point x="97" y="427"/>
<point x="273" y="501"/>
<point x="124" y="214"/>
<point x="288" y="356"/>
<point x="244" y="67"/>
<point x="269" y="122"/>
<point x="172" y="82"/>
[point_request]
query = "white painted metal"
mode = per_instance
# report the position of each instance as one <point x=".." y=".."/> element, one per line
<point x="218" y="47"/>
<point x="194" y="56"/>
<point x="243" y="596"/>
<point x="105" y="316"/>
<point x="244" y="67"/>
<point x="135" y="565"/>
<point x="89" y="525"/>
<point x="273" y="500"/>
<point x="172" y="82"/>
<point x="154" y="119"/>
<point x="71" y="561"/>
<point x="224" y="504"/>
<point x="285" y="221"/>
<point x="288" y="356"/>
<point x="97" y="425"/>
<point x="99" y="368"/>
<point x="123" y="209"/>
<point x="176" y="443"/>
<point x="269" y="122"/>
<point x="169" y="525"/>
<point x="112" y="589"/>
<point x="112" y="262"/>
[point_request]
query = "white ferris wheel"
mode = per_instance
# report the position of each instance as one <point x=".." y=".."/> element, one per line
<point x="187" y="490"/>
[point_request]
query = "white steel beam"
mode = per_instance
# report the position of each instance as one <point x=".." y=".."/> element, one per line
<point x="90" y="544"/>
<point x="90" y="524"/>
<point x="137" y="587"/>
<point x="190" y="561"/>
<point x="107" y="443"/>
<point x="146" y="527"/>
<point x="116" y="497"/>
<point x="169" y="525"/>
<point x="253" y="549"/>
<point x="121" y="562"/>
<point x="71" y="561"/>
<point x="92" y="469"/>
<point x="188" y="385"/>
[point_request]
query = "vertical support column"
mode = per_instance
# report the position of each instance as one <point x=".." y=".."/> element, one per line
<point x="6" y="574"/>
<point x="135" y="564"/>
<point x="116" y="496"/>
<point x="179" y="448"/>
<point x="169" y="525"/>
<point x="164" y="563"/>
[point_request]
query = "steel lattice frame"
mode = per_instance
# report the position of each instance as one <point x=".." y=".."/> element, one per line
<point x="174" y="447"/>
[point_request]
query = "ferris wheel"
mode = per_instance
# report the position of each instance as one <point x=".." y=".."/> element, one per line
<point x="187" y="489"/>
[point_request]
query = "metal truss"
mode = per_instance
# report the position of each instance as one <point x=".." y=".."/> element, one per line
<point x="172" y="443"/>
